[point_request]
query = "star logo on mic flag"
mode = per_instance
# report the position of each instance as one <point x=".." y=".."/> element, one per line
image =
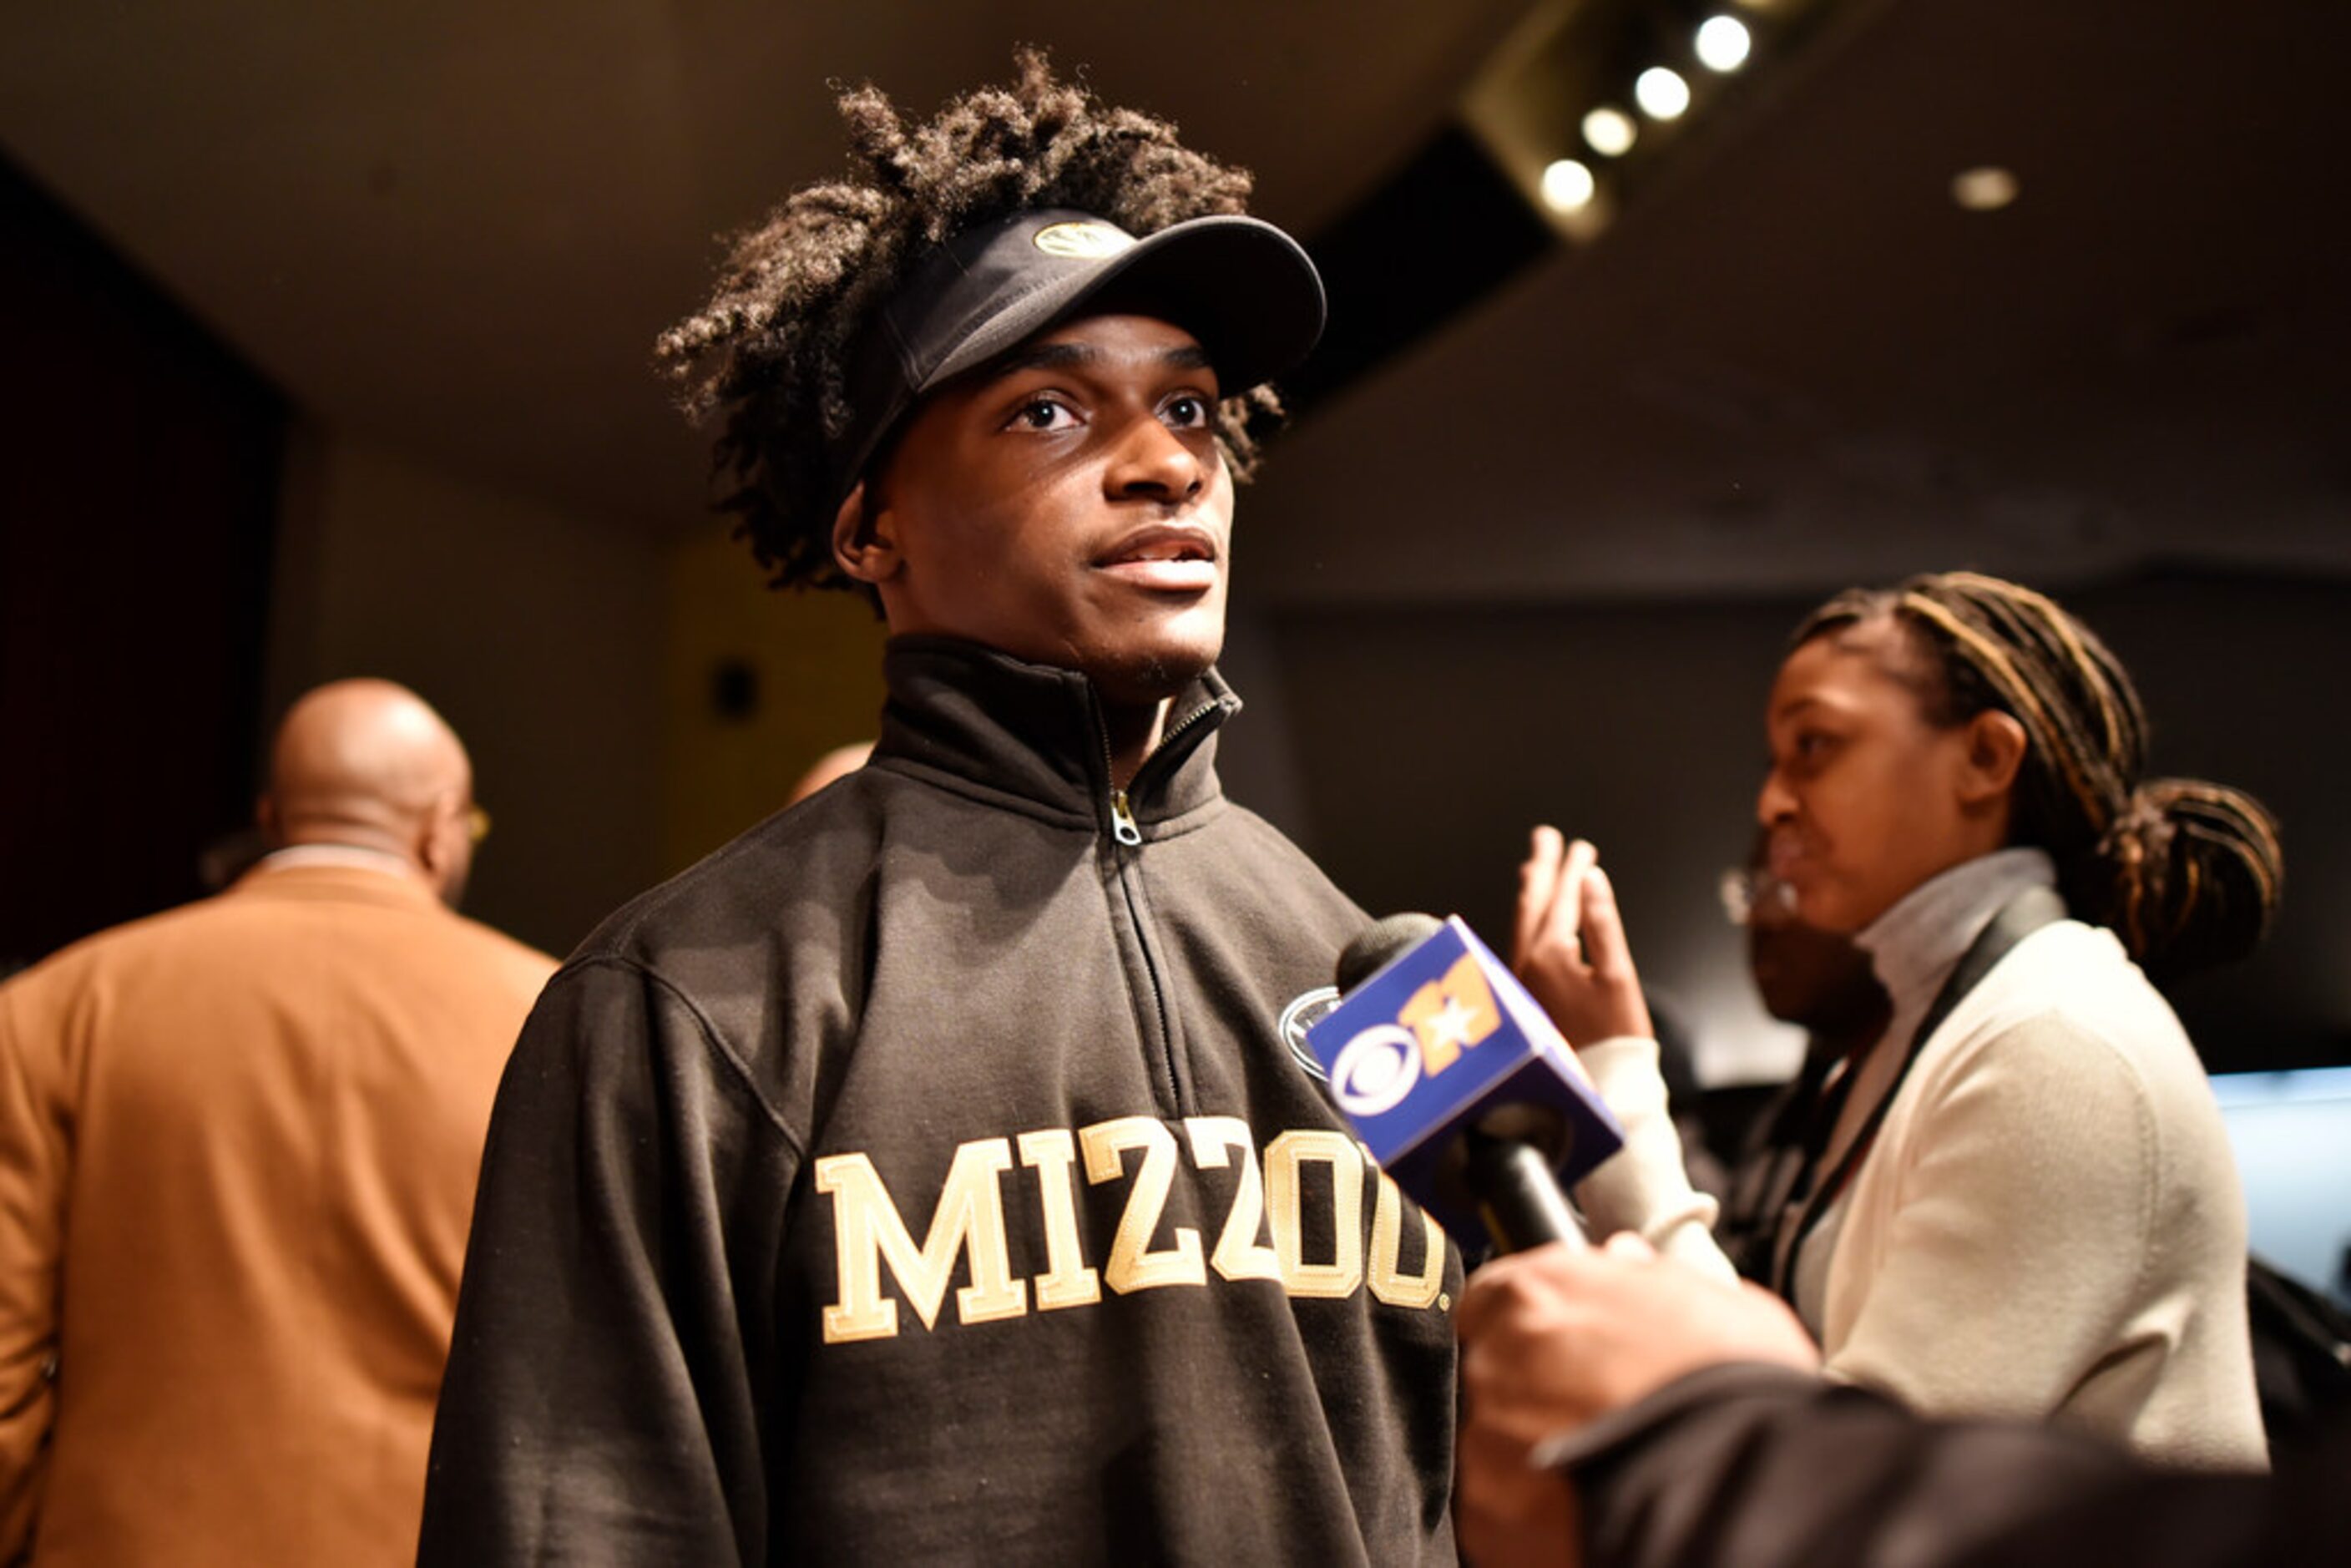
<point x="1450" y="1014"/>
<point x="1449" y="1029"/>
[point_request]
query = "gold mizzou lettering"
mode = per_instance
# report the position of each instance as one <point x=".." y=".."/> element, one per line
<point x="1068" y="1280"/>
<point x="1240" y="1255"/>
<point x="1285" y="1159"/>
<point x="867" y="1229"/>
<point x="1385" y="1275"/>
<point x="1131" y="1265"/>
<point x="1268" y="1202"/>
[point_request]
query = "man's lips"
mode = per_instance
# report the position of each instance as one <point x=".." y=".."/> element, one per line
<point x="1786" y="857"/>
<point x="1166" y="557"/>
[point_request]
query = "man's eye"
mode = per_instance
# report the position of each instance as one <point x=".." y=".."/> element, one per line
<point x="1187" y="412"/>
<point x="1044" y="414"/>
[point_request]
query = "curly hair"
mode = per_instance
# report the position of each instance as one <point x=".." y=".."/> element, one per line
<point x="2187" y="872"/>
<point x="771" y="349"/>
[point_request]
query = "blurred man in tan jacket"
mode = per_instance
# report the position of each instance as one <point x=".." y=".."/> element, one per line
<point x="238" y="1144"/>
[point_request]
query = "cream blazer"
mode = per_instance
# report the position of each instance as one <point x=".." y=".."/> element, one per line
<point x="2048" y="1226"/>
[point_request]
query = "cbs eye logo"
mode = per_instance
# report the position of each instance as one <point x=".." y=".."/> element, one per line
<point x="1376" y="1070"/>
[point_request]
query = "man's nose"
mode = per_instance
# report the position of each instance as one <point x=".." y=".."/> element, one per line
<point x="1153" y="461"/>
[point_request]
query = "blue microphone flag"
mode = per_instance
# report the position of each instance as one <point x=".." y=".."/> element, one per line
<point x="1442" y="1038"/>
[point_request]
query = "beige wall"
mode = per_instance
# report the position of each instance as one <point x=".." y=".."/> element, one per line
<point x="816" y="660"/>
<point x="577" y="656"/>
<point x="537" y="632"/>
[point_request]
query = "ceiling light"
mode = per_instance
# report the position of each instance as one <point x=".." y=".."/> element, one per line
<point x="1723" y="43"/>
<point x="1609" y="132"/>
<point x="1568" y="186"/>
<point x="1984" y="190"/>
<point x="1662" y="94"/>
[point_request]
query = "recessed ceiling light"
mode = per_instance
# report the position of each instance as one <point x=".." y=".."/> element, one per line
<point x="1609" y="132"/>
<point x="1568" y="186"/>
<point x="1723" y="43"/>
<point x="1984" y="189"/>
<point x="1661" y="93"/>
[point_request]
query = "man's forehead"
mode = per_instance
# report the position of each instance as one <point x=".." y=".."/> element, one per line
<point x="1155" y="330"/>
<point x="1242" y="288"/>
<point x="1109" y="337"/>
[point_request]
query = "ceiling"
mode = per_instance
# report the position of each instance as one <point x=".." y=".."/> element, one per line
<point x="454" y="228"/>
<point x="1799" y="364"/>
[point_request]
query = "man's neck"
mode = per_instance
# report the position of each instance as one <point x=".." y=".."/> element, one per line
<point x="325" y="852"/>
<point x="363" y="838"/>
<point x="1133" y="731"/>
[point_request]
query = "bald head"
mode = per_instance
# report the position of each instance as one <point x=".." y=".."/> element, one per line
<point x="839" y="763"/>
<point x="367" y="763"/>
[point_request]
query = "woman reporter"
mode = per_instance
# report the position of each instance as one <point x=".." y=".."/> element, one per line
<point x="2020" y="1201"/>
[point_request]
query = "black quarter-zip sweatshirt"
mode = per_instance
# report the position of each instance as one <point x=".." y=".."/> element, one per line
<point x="925" y="1177"/>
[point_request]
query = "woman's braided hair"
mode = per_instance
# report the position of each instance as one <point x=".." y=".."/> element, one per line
<point x="2187" y="872"/>
<point x="770" y="350"/>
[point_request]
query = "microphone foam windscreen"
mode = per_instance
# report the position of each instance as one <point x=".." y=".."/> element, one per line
<point x="1384" y="940"/>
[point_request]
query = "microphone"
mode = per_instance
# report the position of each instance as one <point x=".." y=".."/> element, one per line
<point x="1459" y="1084"/>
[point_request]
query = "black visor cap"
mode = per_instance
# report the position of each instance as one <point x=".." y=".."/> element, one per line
<point x="1245" y="290"/>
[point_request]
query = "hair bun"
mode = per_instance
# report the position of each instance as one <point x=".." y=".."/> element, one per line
<point x="2196" y="874"/>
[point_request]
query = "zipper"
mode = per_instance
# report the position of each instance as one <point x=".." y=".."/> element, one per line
<point x="1123" y="828"/>
<point x="1122" y="825"/>
<point x="1128" y="833"/>
<point x="1169" y="734"/>
<point x="1177" y="1098"/>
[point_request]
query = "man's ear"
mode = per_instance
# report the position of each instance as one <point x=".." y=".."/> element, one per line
<point x="865" y="547"/>
<point x="1996" y="745"/>
<point x="444" y="843"/>
<point x="428" y="838"/>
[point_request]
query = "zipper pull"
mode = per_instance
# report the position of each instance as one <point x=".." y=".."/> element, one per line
<point x="1122" y="820"/>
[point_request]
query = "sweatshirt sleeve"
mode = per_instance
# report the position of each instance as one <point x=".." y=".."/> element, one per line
<point x="1643" y="1186"/>
<point x="32" y="1233"/>
<point x="1761" y="1468"/>
<point x="617" y="1308"/>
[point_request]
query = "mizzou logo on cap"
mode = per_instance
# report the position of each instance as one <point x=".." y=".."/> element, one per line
<point x="1082" y="241"/>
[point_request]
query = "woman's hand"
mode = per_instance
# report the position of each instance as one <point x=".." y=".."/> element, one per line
<point x="1570" y="948"/>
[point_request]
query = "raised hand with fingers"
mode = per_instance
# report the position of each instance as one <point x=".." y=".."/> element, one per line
<point x="1569" y="947"/>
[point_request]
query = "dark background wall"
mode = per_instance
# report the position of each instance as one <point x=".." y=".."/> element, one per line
<point x="1534" y="563"/>
<point x="181" y="555"/>
<point x="537" y="632"/>
<point x="138" y="473"/>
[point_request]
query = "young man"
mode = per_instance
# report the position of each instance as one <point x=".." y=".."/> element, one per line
<point x="925" y="1174"/>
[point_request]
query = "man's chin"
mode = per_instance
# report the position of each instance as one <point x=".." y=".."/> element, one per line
<point x="1131" y="677"/>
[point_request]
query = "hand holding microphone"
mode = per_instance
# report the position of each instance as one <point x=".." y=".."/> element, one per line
<point x="1552" y="1340"/>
